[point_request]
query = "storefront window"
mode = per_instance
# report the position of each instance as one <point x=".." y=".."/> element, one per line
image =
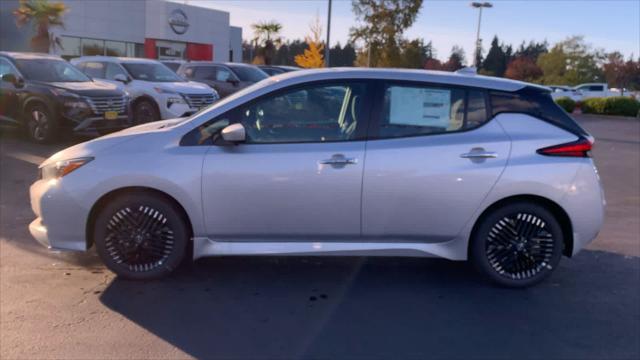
<point x="171" y="49"/>
<point x="115" y="48"/>
<point x="70" y="47"/>
<point x="92" y="47"/>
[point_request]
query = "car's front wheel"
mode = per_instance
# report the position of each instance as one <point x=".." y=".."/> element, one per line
<point x="145" y="111"/>
<point x="41" y="124"/>
<point x="517" y="245"/>
<point x="141" y="236"/>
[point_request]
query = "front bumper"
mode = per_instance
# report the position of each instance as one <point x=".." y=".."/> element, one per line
<point x="60" y="220"/>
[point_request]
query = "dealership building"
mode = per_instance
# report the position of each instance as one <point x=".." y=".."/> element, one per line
<point x="155" y="29"/>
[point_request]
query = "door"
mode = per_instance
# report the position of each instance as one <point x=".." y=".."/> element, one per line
<point x="9" y="102"/>
<point x="432" y="159"/>
<point x="298" y="176"/>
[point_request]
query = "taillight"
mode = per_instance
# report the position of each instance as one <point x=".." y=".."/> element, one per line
<point x="580" y="148"/>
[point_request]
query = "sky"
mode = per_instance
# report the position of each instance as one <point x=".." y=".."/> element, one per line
<point x="606" y="24"/>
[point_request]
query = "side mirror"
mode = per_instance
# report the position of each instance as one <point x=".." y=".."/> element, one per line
<point x="11" y="78"/>
<point x="122" y="78"/>
<point x="234" y="133"/>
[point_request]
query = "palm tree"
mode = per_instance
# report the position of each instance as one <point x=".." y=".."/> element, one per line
<point x="43" y="15"/>
<point x="266" y="37"/>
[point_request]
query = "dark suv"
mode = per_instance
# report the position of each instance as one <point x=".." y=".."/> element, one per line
<point x="225" y="78"/>
<point x="46" y="95"/>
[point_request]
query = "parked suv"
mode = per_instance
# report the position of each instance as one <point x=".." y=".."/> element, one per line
<point x="46" y="95"/>
<point x="225" y="78"/>
<point x="156" y="91"/>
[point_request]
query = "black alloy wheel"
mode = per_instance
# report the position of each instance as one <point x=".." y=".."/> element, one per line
<point x="145" y="111"/>
<point x="41" y="126"/>
<point x="518" y="245"/>
<point x="141" y="236"/>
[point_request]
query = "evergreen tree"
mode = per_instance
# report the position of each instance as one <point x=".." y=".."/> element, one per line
<point x="495" y="64"/>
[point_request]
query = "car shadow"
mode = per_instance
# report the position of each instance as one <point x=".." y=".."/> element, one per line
<point x="387" y="308"/>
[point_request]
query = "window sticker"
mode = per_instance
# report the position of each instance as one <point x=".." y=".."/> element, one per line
<point x="420" y="106"/>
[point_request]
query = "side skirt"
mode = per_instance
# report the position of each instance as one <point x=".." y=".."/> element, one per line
<point x="204" y="247"/>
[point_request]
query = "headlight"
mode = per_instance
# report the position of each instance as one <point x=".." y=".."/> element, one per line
<point x="62" y="168"/>
<point x="175" y="100"/>
<point x="73" y="104"/>
<point x="160" y="90"/>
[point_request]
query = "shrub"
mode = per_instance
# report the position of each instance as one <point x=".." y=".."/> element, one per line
<point x="566" y="103"/>
<point x="618" y="105"/>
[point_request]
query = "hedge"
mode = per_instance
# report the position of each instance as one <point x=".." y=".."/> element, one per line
<point x="566" y="103"/>
<point x="618" y="105"/>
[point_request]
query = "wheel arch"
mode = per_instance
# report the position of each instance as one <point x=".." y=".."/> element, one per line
<point x="555" y="208"/>
<point x="35" y="100"/>
<point x="104" y="199"/>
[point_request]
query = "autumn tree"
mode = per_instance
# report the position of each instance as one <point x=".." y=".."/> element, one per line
<point x="523" y="68"/>
<point x="43" y="15"/>
<point x="312" y="57"/>
<point x="381" y="25"/>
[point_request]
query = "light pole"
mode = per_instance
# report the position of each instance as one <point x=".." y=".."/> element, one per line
<point x="327" y="45"/>
<point x="480" y="6"/>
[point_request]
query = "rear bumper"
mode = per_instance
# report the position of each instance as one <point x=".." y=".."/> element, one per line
<point x="585" y="204"/>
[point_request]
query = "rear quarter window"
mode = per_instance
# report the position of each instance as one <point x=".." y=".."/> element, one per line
<point x="535" y="103"/>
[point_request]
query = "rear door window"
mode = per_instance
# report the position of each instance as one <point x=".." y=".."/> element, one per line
<point x="415" y="110"/>
<point x="94" y="69"/>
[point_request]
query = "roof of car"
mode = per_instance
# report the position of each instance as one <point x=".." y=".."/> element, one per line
<point x="436" y="77"/>
<point x="29" y="55"/>
<point x="115" y="59"/>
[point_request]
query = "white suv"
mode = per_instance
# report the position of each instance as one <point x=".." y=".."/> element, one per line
<point x="156" y="91"/>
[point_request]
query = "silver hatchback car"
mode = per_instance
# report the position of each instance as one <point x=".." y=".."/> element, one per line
<point x="336" y="162"/>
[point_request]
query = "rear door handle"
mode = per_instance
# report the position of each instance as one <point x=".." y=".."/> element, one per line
<point x="479" y="155"/>
<point x="339" y="160"/>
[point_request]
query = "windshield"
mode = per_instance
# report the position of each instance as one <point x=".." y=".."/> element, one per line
<point x="248" y="73"/>
<point x="153" y="72"/>
<point x="226" y="100"/>
<point x="50" y="70"/>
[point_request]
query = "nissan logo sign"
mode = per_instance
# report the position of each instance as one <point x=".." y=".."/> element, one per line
<point x="178" y="21"/>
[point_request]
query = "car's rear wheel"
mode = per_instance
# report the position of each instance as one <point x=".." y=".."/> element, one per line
<point x="41" y="125"/>
<point x="141" y="236"/>
<point x="145" y="111"/>
<point x="517" y="245"/>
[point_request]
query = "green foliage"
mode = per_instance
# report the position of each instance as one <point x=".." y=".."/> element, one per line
<point x="495" y="64"/>
<point x="619" y="105"/>
<point x="571" y="62"/>
<point x="266" y="38"/>
<point x="566" y="103"/>
<point x="43" y="15"/>
<point x="381" y="25"/>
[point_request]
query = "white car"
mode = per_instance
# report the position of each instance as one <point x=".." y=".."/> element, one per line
<point x="561" y="91"/>
<point x="594" y="90"/>
<point x="336" y="162"/>
<point x="156" y="91"/>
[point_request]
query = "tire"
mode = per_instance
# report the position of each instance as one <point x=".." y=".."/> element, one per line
<point x="41" y="125"/>
<point x="517" y="245"/>
<point x="145" y="111"/>
<point x="141" y="236"/>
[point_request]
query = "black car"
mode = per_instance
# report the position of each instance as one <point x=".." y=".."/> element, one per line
<point x="273" y="70"/>
<point x="225" y="78"/>
<point x="46" y="95"/>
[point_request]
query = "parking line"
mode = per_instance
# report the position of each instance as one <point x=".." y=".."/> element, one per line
<point x="32" y="159"/>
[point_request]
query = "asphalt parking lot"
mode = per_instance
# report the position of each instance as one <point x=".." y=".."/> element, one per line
<point x="67" y="305"/>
